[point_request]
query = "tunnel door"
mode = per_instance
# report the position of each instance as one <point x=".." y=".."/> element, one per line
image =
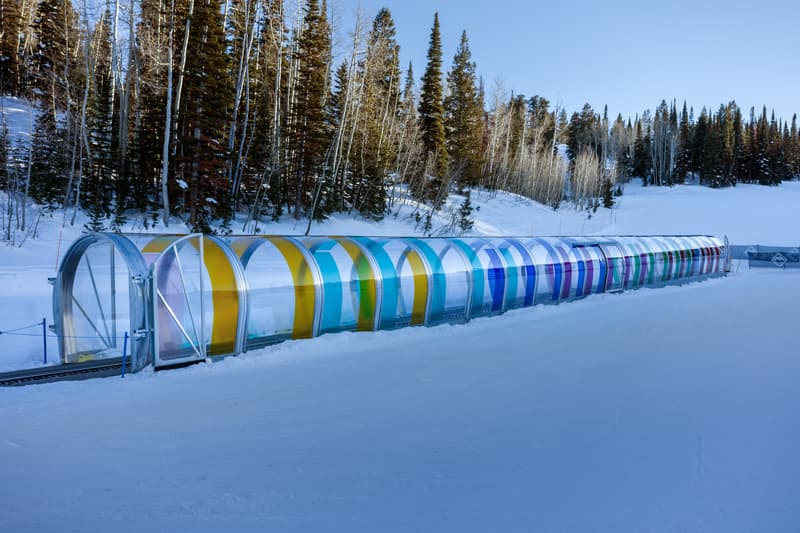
<point x="178" y="300"/>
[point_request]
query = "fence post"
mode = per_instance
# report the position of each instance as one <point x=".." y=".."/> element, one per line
<point x="44" y="338"/>
<point x="124" y="352"/>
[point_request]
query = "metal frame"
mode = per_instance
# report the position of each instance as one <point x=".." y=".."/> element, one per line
<point x="138" y="295"/>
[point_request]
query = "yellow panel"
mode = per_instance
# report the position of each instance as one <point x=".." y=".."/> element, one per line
<point x="304" y="288"/>
<point x="420" y="288"/>
<point x="367" y="286"/>
<point x="225" y="299"/>
<point x="159" y="244"/>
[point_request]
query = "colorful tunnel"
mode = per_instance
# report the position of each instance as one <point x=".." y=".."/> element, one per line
<point x="185" y="298"/>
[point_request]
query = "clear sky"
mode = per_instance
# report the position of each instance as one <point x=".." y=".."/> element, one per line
<point x="627" y="54"/>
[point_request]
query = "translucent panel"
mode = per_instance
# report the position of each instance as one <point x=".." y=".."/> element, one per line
<point x="100" y="305"/>
<point x="453" y="277"/>
<point x="405" y="282"/>
<point x="489" y="276"/>
<point x="178" y="278"/>
<point x="197" y="297"/>
<point x="349" y="284"/>
<point x="281" y="289"/>
<point x="616" y="267"/>
<point x="591" y="269"/>
<point x="222" y="298"/>
<point x="549" y="269"/>
<point x="520" y="273"/>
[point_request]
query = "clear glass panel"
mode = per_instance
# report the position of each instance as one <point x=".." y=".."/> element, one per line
<point x="100" y="305"/>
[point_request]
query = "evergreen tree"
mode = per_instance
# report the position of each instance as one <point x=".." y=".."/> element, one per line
<point x="584" y="131"/>
<point x="464" y="116"/>
<point x="310" y="135"/>
<point x="608" y="193"/>
<point x="98" y="186"/>
<point x="203" y="119"/>
<point x="380" y="112"/>
<point x="684" y="141"/>
<point x="465" y="221"/>
<point x="642" y="154"/>
<point x="149" y="103"/>
<point x="48" y="160"/>
<point x="10" y="82"/>
<point x="431" y="114"/>
<point x="54" y="61"/>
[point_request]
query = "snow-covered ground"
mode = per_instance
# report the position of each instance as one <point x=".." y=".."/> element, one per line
<point x="659" y="410"/>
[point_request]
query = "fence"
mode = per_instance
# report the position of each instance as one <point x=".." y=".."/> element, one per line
<point x="773" y="256"/>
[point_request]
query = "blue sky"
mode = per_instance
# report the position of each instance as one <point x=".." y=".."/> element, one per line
<point x="627" y="54"/>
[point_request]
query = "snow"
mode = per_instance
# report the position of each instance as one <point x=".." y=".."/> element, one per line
<point x="510" y="423"/>
<point x="658" y="410"/>
<point x="18" y="118"/>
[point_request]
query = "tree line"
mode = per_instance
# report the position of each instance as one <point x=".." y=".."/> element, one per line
<point x="214" y="111"/>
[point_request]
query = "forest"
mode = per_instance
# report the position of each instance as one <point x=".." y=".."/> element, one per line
<point x="227" y="115"/>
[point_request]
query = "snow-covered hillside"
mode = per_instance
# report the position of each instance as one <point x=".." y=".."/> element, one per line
<point x="659" y="410"/>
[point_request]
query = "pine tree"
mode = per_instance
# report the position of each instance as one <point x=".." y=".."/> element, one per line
<point x="149" y="103"/>
<point x="684" y="140"/>
<point x="310" y="135"/>
<point x="10" y="82"/>
<point x="431" y="114"/>
<point x="464" y="116"/>
<point x="608" y="193"/>
<point x="380" y="113"/>
<point x="203" y="119"/>
<point x="48" y="160"/>
<point x="642" y="154"/>
<point x="465" y="222"/>
<point x="583" y="132"/>
<point x="98" y="186"/>
<point x="262" y="184"/>
<point x="54" y="61"/>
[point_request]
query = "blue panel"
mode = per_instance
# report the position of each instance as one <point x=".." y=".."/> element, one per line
<point x="497" y="280"/>
<point x="331" y="286"/>
<point x="530" y="270"/>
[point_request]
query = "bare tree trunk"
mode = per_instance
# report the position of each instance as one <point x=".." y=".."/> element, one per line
<point x="167" y="122"/>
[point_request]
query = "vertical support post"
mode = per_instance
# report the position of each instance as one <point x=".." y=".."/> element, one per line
<point x="113" y="280"/>
<point x="202" y="336"/>
<point x="44" y="338"/>
<point x="124" y="352"/>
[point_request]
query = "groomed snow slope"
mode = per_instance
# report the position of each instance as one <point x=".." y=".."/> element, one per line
<point x="652" y="411"/>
